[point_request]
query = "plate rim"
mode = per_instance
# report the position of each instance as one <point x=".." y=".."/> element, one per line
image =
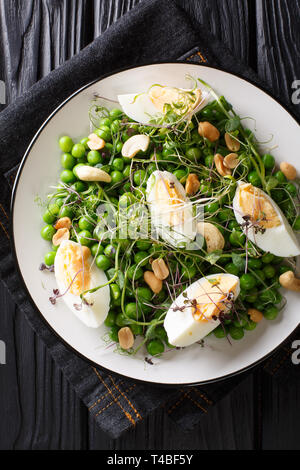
<point x="12" y="206"/>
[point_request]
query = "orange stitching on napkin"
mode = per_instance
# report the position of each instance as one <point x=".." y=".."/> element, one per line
<point x="4" y="211"/>
<point x="199" y="54"/>
<point x="209" y="402"/>
<point x="182" y="397"/>
<point x="112" y="402"/>
<point x="4" y="229"/>
<point x="196" y="403"/>
<point x="128" y="415"/>
<point x="99" y="399"/>
<point x="128" y="401"/>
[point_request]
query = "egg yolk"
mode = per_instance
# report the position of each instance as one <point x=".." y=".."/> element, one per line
<point x="75" y="258"/>
<point x="161" y="95"/>
<point x="212" y="295"/>
<point x="171" y="201"/>
<point x="257" y="206"/>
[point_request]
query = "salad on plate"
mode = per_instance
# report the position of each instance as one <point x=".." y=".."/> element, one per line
<point x="171" y="222"/>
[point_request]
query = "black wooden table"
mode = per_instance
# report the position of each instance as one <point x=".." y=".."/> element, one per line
<point x="38" y="408"/>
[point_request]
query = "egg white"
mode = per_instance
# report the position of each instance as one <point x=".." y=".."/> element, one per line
<point x="280" y="240"/>
<point x="181" y="233"/>
<point x="181" y="327"/>
<point x="94" y="314"/>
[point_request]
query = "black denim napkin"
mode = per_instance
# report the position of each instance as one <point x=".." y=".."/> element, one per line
<point x="116" y="403"/>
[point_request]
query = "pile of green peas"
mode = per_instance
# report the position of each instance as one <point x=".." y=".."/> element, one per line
<point x="130" y="300"/>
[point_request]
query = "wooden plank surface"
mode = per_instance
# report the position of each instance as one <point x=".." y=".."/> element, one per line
<point x="38" y="408"/>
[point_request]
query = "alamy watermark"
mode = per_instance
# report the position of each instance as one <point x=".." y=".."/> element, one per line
<point x="296" y="353"/>
<point x="2" y="353"/>
<point x="2" y="92"/>
<point x="296" y="94"/>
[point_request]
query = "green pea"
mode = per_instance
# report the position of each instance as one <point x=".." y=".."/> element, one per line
<point x="121" y="320"/>
<point x="254" y="263"/>
<point x="105" y="122"/>
<point x="161" y="333"/>
<point x="254" y="178"/>
<point x="118" y="164"/>
<point x="132" y="311"/>
<point x="247" y="281"/>
<point x="250" y="325"/>
<point x="155" y="347"/>
<point x="49" y="258"/>
<point x="110" y="320"/>
<point x="47" y="232"/>
<point x="232" y="269"/>
<point x="233" y="224"/>
<point x="113" y="334"/>
<point x="104" y="133"/>
<point x="291" y="188"/>
<point x="67" y="161"/>
<point x="115" y="291"/>
<point x="240" y="322"/>
<point x="271" y="312"/>
<point x="115" y="126"/>
<point x="78" y="150"/>
<point x="225" y="214"/>
<point x="267" y="296"/>
<point x="139" y="258"/>
<point x="58" y="203"/>
<point x="134" y="272"/>
<point x="139" y="177"/>
<point x="193" y="153"/>
<point x="213" y="207"/>
<point x="267" y="258"/>
<point x="144" y="293"/>
<point x="283" y="269"/>
<point x="79" y="186"/>
<point x="219" y="332"/>
<point x="280" y="177"/>
<point x="94" y="157"/>
<point x="269" y="271"/>
<point x="102" y="262"/>
<point x="236" y="332"/>
<point x="268" y="161"/>
<point x="126" y="200"/>
<point x="277" y="260"/>
<point x="143" y="245"/>
<point x="66" y="211"/>
<point x="115" y="113"/>
<point x="65" y="143"/>
<point x="67" y="176"/>
<point x="126" y="171"/>
<point x="97" y="249"/>
<point x="237" y="238"/>
<point x="76" y="168"/>
<point x="116" y="177"/>
<point x="181" y="175"/>
<point x="188" y="272"/>
<point x="110" y="251"/>
<point x="84" y="236"/>
<point x="251" y="295"/>
<point x="85" y="224"/>
<point x="49" y="217"/>
<point x="84" y="142"/>
<point x="209" y="160"/>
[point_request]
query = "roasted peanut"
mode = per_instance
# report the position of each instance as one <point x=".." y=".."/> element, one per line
<point x="207" y="130"/>
<point x="221" y="168"/>
<point x="153" y="282"/>
<point x="192" y="184"/>
<point x="95" y="142"/>
<point x="134" y="144"/>
<point x="60" y="236"/>
<point x="90" y="173"/>
<point x="64" y="222"/>
<point x="160" y="269"/>
<point x="126" y="337"/>
<point x="288" y="170"/>
<point x="213" y="237"/>
<point x="255" y="315"/>
<point x="231" y="160"/>
<point x="232" y="144"/>
<point x="289" y="281"/>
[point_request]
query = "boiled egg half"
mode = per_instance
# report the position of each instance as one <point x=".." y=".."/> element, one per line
<point x="142" y="107"/>
<point x="75" y="274"/>
<point x="171" y="210"/>
<point x="267" y="226"/>
<point x="195" y="312"/>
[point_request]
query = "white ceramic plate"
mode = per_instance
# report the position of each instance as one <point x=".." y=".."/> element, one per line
<point x="40" y="169"/>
